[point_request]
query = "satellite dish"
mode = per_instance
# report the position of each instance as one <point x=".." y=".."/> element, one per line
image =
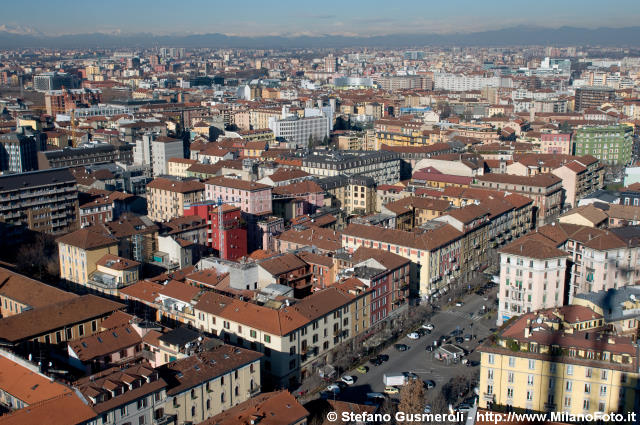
<point x="539" y="320"/>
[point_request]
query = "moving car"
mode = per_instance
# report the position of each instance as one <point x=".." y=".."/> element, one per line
<point x="428" y="384"/>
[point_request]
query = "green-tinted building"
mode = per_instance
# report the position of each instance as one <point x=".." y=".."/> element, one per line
<point x="611" y="144"/>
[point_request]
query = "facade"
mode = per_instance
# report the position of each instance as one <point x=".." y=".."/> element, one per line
<point x="382" y="166"/>
<point x="156" y="151"/>
<point x="52" y="81"/>
<point x="301" y="132"/>
<point x="101" y="153"/>
<point x="556" y="143"/>
<point x="250" y="197"/>
<point x="532" y="276"/>
<point x="593" y="97"/>
<point x="44" y="201"/>
<point x="210" y="381"/>
<point x="19" y="150"/>
<point x="232" y="234"/>
<point x="559" y="360"/>
<point x="610" y="144"/>
<point x="67" y="100"/>
<point x="352" y="194"/>
<point x="166" y="198"/>
<point x="80" y="251"/>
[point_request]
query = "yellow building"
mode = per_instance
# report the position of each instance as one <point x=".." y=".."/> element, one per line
<point x="178" y="166"/>
<point x="559" y="360"/>
<point x="112" y="273"/>
<point x="166" y="197"/>
<point x="80" y="251"/>
<point x="211" y="381"/>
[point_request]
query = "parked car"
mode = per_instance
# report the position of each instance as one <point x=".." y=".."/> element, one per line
<point x="333" y="388"/>
<point x="375" y="361"/>
<point x="413" y="335"/>
<point x="459" y="340"/>
<point x="467" y="337"/>
<point x="410" y="375"/>
<point x="374" y="396"/>
<point x="383" y="357"/>
<point x="401" y="347"/>
<point x="347" y="379"/>
<point x="462" y="407"/>
<point x="391" y="390"/>
<point x="428" y="384"/>
<point x="362" y="369"/>
<point x="428" y="326"/>
<point x="427" y="409"/>
<point x="459" y="303"/>
<point x="430" y="347"/>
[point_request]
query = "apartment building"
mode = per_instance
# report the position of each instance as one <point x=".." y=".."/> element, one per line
<point x="556" y="143"/>
<point x="382" y="166"/>
<point x="532" y="277"/>
<point x="301" y="131"/>
<point x="166" y="198"/>
<point x="231" y="232"/>
<point x="255" y="408"/>
<point x="210" y="381"/>
<point x="19" y="151"/>
<point x="178" y="166"/>
<point x="156" y="150"/>
<point x="544" y="189"/>
<point x="294" y="339"/>
<point x="351" y="193"/>
<point x="19" y="293"/>
<point x="44" y="201"/>
<point x="593" y="97"/>
<point x="131" y="395"/>
<point x="611" y="144"/>
<point x="559" y="360"/>
<point x="65" y="101"/>
<point x="250" y="197"/>
<point x="80" y="251"/>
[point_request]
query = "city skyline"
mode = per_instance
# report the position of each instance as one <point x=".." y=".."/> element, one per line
<point x="291" y="19"/>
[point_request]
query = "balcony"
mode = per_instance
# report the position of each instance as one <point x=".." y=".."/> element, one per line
<point x="488" y="397"/>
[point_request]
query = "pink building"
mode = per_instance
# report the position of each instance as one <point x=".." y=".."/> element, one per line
<point x="250" y="197"/>
<point x="556" y="143"/>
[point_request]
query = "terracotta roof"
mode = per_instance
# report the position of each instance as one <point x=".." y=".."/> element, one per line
<point x="183" y="160"/>
<point x="116" y="263"/>
<point x="282" y="264"/>
<point x="178" y="186"/>
<point x="274" y="408"/>
<point x="285" y="174"/>
<point x="321" y="238"/>
<point x="589" y="212"/>
<point x="313" y="258"/>
<point x="117" y="318"/>
<point x="26" y="385"/>
<point x="236" y="183"/>
<point x="179" y="290"/>
<point x="624" y="212"/>
<point x="388" y="259"/>
<point x="419" y="203"/>
<point x="67" y="409"/>
<point x="428" y="240"/>
<point x="105" y="342"/>
<point x="184" y="374"/>
<point x="88" y="238"/>
<point x="539" y="180"/>
<point x="29" y="291"/>
<point x="532" y="247"/>
<point x="302" y="188"/>
<point x="33" y="323"/>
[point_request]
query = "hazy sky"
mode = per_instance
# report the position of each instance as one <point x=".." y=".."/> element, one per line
<point x="261" y="17"/>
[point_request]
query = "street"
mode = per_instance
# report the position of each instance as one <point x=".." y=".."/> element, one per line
<point x="420" y="361"/>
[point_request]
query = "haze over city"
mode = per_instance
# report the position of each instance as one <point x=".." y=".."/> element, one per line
<point x="295" y="213"/>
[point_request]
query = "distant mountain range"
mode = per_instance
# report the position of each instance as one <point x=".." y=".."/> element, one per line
<point x="514" y="36"/>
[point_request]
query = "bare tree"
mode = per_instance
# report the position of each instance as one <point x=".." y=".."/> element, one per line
<point x="411" y="399"/>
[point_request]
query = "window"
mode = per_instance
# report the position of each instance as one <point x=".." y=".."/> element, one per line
<point x="142" y="403"/>
<point x="585" y="404"/>
<point x="569" y="369"/>
<point x="603" y="390"/>
<point x="569" y="385"/>
<point x="532" y="364"/>
<point x="512" y="361"/>
<point x="222" y="398"/>
<point x="236" y="391"/>
<point x="588" y="372"/>
<point x="510" y="377"/>
<point x="81" y="330"/>
<point x="123" y="411"/>
<point x="208" y="404"/>
<point x="193" y="411"/>
<point x="603" y="375"/>
<point x="489" y="389"/>
<point x="142" y="420"/>
<point x="490" y="374"/>
<point x="267" y="339"/>
<point x="490" y="358"/>
<point x="529" y="395"/>
<point x="530" y="380"/>
<point x="69" y="334"/>
<point x="587" y="388"/>
<point x="567" y="402"/>
<point x="252" y="333"/>
<point x="509" y="392"/>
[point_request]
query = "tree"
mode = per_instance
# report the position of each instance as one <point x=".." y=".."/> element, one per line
<point x="411" y="399"/>
<point x="39" y="258"/>
<point x="456" y="388"/>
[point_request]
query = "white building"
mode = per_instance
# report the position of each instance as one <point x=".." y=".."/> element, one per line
<point x="157" y="151"/>
<point x="296" y="130"/>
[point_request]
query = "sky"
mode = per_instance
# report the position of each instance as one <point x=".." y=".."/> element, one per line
<point x="304" y="17"/>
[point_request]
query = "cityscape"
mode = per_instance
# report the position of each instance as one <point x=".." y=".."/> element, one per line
<point x="409" y="213"/>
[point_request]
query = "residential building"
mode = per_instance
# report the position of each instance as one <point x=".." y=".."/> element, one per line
<point x="611" y="144"/>
<point x="19" y="150"/>
<point x="556" y="143"/>
<point x="250" y="197"/>
<point x="353" y="194"/>
<point x="52" y="81"/>
<point x="532" y="276"/>
<point x="301" y="131"/>
<point x="99" y="153"/>
<point x="177" y="167"/>
<point x="267" y="408"/>
<point x="132" y="395"/>
<point x="55" y="324"/>
<point x="232" y="232"/>
<point x="559" y="360"/>
<point x="166" y="198"/>
<point x="80" y="251"/>
<point x="156" y="151"/>
<point x="44" y="201"/>
<point x="593" y="97"/>
<point x="209" y="382"/>
<point x="382" y="166"/>
<point x="19" y="293"/>
<point x="65" y="101"/>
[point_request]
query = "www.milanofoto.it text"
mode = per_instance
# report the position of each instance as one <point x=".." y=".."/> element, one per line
<point x="511" y="417"/>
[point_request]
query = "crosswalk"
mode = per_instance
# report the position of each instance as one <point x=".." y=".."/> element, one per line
<point x="463" y="315"/>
